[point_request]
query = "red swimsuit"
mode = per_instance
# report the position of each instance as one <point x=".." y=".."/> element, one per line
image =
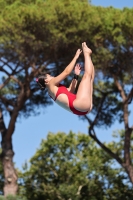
<point x="71" y="97"/>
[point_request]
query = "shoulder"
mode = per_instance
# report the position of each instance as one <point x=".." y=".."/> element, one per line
<point x="52" y="90"/>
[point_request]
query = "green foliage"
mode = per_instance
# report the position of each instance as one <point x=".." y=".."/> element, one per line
<point x="10" y="197"/>
<point x="72" y="167"/>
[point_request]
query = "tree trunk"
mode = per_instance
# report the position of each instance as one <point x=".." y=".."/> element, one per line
<point x="10" y="186"/>
<point x="129" y="170"/>
<point x="10" y="176"/>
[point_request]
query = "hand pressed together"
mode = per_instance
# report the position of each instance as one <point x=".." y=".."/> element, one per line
<point x="77" y="69"/>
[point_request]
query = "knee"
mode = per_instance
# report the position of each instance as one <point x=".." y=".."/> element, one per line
<point x="87" y="76"/>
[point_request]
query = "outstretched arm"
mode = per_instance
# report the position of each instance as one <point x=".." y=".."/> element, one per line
<point x="74" y="82"/>
<point x="67" y="70"/>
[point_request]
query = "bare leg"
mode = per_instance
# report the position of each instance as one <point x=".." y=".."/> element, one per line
<point x="83" y="100"/>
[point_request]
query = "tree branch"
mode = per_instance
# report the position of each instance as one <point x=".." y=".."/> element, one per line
<point x="7" y="102"/>
<point x="129" y="97"/>
<point x="3" y="70"/>
<point x="17" y="81"/>
<point x="91" y="128"/>
<point x="118" y="85"/>
<point x="113" y="155"/>
<point x="6" y="63"/>
<point x="3" y="129"/>
<point x="5" y="82"/>
<point x="2" y="124"/>
<point x="127" y="143"/>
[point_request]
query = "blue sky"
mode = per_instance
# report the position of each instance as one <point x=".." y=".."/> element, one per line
<point x="115" y="3"/>
<point x="29" y="132"/>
